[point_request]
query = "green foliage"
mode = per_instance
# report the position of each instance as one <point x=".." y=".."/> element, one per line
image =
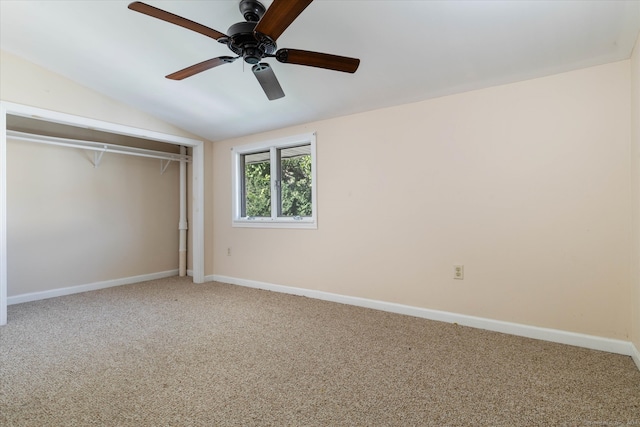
<point x="295" y="187"/>
<point x="258" y="189"/>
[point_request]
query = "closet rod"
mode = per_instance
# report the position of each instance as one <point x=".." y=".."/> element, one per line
<point x="96" y="146"/>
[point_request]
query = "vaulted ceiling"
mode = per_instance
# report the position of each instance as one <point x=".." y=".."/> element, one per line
<point x="409" y="51"/>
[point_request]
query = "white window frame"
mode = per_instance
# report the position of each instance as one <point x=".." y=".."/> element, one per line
<point x="237" y="178"/>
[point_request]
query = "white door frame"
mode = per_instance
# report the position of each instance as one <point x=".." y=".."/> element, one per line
<point x="197" y="182"/>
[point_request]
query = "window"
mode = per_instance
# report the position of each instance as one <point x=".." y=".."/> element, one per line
<point x="274" y="183"/>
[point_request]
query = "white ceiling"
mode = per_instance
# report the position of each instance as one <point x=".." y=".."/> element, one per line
<point x="409" y="51"/>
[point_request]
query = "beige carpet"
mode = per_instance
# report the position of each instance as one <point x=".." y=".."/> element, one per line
<point x="170" y="353"/>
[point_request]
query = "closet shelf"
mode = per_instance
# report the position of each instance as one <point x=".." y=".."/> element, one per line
<point x="100" y="148"/>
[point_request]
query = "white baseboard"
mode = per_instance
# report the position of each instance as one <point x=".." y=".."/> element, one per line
<point x="554" y="335"/>
<point x="34" y="296"/>
<point x="635" y="355"/>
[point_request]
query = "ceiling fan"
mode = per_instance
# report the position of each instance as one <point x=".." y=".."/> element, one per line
<point x="254" y="40"/>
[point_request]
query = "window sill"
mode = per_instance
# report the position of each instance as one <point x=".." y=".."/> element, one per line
<point x="267" y="223"/>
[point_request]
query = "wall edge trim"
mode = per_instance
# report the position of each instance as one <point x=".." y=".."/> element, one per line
<point x="52" y="293"/>
<point x="546" y="334"/>
<point x="635" y="355"/>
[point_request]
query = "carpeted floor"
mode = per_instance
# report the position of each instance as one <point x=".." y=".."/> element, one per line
<point x="171" y="353"/>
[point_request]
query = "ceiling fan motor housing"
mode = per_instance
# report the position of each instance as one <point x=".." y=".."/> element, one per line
<point x="244" y="43"/>
<point x="252" y="10"/>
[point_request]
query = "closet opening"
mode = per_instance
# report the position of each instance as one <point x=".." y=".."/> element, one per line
<point x="102" y="172"/>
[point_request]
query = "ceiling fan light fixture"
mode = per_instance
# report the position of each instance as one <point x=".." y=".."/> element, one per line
<point x="252" y="55"/>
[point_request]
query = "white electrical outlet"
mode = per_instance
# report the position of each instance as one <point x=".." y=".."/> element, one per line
<point x="228" y="251"/>
<point x="458" y="271"/>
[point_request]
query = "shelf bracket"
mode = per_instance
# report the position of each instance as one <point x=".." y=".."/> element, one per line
<point x="97" y="157"/>
<point x="164" y="166"/>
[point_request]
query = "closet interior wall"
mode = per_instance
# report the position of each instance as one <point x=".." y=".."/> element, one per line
<point x="71" y="223"/>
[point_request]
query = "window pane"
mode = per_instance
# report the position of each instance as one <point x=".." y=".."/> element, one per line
<point x="257" y="185"/>
<point x="295" y="181"/>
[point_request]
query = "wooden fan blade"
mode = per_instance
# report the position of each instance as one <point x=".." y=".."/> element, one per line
<point x="279" y="16"/>
<point x="316" y="59"/>
<point x="268" y="81"/>
<point x="198" y="68"/>
<point x="175" y="19"/>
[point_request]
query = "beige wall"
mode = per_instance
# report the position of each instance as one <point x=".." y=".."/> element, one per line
<point x="71" y="224"/>
<point x="527" y="185"/>
<point x="635" y="159"/>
